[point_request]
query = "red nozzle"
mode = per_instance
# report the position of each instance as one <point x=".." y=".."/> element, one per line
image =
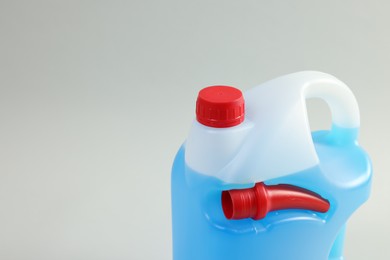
<point x="256" y="202"/>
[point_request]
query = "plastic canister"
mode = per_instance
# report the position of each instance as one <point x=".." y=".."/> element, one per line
<point x="253" y="182"/>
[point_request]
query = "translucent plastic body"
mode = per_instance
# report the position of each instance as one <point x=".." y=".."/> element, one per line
<point x="334" y="166"/>
<point x="274" y="140"/>
<point x="201" y="231"/>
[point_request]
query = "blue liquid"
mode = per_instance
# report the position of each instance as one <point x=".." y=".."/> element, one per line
<point x="201" y="231"/>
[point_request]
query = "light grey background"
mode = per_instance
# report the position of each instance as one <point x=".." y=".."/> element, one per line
<point x="97" y="96"/>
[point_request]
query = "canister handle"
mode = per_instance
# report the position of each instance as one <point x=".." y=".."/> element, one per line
<point x="280" y="141"/>
<point x="341" y="101"/>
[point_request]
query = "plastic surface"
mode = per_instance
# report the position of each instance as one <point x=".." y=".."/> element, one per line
<point x="220" y="106"/>
<point x="273" y="145"/>
<point x="258" y="201"/>
<point x="275" y="112"/>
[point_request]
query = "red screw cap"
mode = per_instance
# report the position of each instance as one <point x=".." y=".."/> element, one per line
<point x="220" y="106"/>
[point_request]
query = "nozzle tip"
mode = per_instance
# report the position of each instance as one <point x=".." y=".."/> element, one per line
<point x="227" y="204"/>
